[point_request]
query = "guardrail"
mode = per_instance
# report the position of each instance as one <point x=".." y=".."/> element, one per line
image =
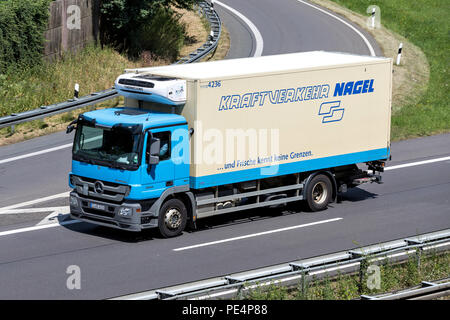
<point x="213" y="39"/>
<point x="54" y="109"/>
<point x="301" y="271"/>
<point x="98" y="97"/>
<point x="426" y="291"/>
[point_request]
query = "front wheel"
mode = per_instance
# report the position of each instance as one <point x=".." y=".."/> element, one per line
<point x="318" y="192"/>
<point x="172" y="218"/>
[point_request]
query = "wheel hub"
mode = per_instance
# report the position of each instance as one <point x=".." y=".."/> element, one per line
<point x="172" y="218"/>
<point x="319" y="192"/>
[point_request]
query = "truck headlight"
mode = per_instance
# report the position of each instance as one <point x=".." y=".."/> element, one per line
<point x="125" y="211"/>
<point x="73" y="201"/>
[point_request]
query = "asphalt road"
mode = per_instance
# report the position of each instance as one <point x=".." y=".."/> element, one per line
<point x="37" y="176"/>
<point x="412" y="201"/>
<point x="290" y="26"/>
<point x="33" y="263"/>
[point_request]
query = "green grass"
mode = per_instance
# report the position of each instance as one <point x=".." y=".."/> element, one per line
<point x="346" y="287"/>
<point x="425" y="23"/>
<point x="22" y="89"/>
<point x="94" y="69"/>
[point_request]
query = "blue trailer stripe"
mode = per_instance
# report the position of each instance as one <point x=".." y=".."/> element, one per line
<point x="288" y="168"/>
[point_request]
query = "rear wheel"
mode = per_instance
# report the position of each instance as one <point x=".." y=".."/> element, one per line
<point x="318" y="192"/>
<point x="172" y="218"/>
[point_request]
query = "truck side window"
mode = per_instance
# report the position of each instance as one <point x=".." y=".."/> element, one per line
<point x="165" y="148"/>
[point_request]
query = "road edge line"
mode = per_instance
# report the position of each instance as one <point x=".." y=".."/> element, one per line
<point x="366" y="41"/>
<point x="258" y="37"/>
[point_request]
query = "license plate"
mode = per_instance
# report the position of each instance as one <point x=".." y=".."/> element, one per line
<point x="97" y="206"/>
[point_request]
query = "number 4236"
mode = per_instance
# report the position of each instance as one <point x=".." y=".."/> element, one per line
<point x="214" y="84"/>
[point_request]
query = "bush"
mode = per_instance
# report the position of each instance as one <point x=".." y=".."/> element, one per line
<point x="22" y="26"/>
<point x="132" y="26"/>
<point x="163" y="35"/>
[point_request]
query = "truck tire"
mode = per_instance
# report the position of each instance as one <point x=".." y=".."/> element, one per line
<point x="318" y="192"/>
<point x="172" y="218"/>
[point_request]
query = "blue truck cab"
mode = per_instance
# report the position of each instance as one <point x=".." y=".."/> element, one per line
<point x="124" y="161"/>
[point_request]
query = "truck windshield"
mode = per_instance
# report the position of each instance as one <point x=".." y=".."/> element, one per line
<point x="116" y="147"/>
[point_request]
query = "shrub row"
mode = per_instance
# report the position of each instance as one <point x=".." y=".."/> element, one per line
<point x="22" y="26"/>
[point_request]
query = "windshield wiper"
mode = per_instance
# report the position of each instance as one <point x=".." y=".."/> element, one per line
<point x="106" y="163"/>
<point x="116" y="165"/>
<point x="92" y="161"/>
<point x="84" y="159"/>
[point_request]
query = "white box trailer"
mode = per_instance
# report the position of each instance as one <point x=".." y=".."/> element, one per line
<point x="234" y="135"/>
<point x="327" y="109"/>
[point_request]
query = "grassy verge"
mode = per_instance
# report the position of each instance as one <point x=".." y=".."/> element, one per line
<point x="420" y="107"/>
<point x="93" y="68"/>
<point x="197" y="32"/>
<point x="394" y="277"/>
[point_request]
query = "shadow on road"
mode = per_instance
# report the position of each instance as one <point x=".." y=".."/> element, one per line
<point x="355" y="195"/>
<point x="203" y="224"/>
<point x="215" y="222"/>
<point x="113" y="234"/>
<point x="246" y="216"/>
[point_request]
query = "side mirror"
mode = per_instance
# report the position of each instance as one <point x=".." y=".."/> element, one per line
<point x="71" y="126"/>
<point x="70" y="129"/>
<point x="153" y="154"/>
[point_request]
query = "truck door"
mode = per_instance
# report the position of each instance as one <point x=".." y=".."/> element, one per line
<point x="161" y="175"/>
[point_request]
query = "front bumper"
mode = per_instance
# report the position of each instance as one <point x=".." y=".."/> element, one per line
<point x="107" y="214"/>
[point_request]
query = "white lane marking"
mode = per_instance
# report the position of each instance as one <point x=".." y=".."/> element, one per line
<point x="372" y="52"/>
<point x="418" y="163"/>
<point x="66" y="194"/>
<point x="253" y="28"/>
<point x="7" y="210"/>
<point x="36" y="153"/>
<point x="32" y="202"/>
<point x="64" y="209"/>
<point x="69" y="145"/>
<point x="257" y="234"/>
<point x="34" y="228"/>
